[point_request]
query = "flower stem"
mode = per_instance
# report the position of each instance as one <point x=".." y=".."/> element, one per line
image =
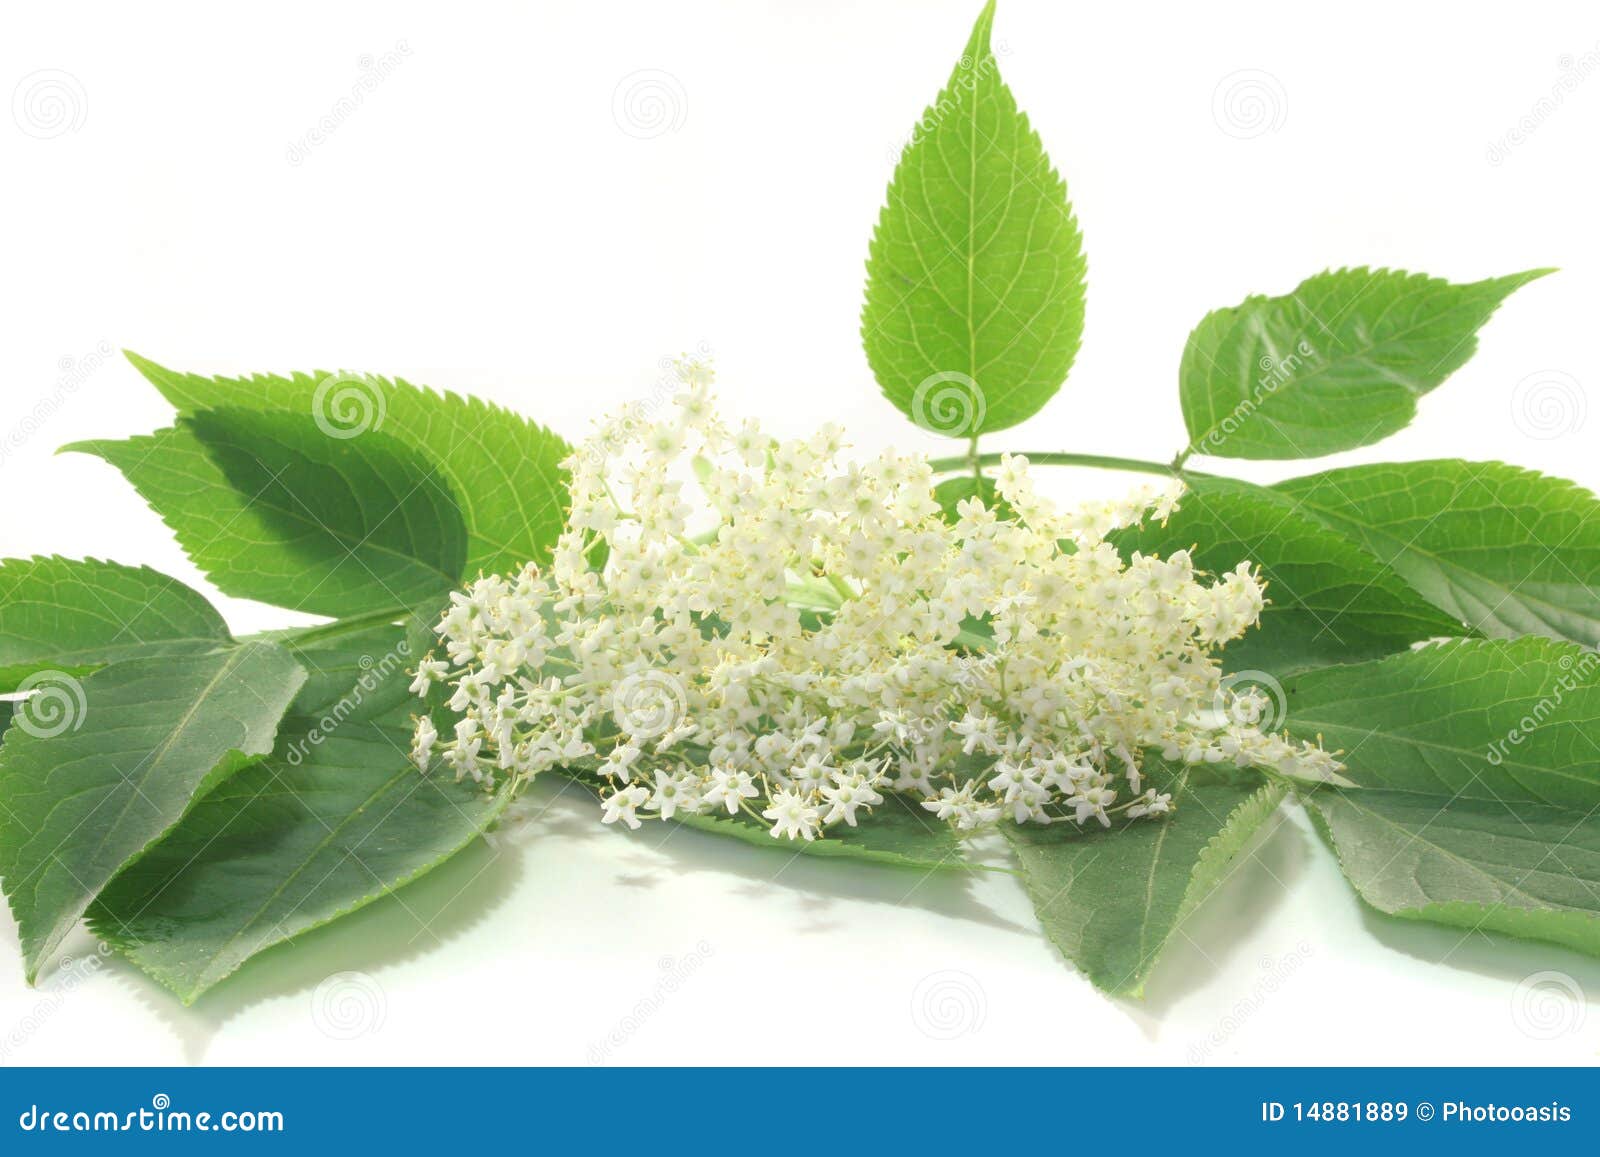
<point x="1105" y="462"/>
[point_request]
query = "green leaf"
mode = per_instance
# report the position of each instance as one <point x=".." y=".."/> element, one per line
<point x="324" y="827"/>
<point x="73" y="615"/>
<point x="1527" y="870"/>
<point x="1501" y="721"/>
<point x="271" y="508"/>
<point x="1329" y="600"/>
<point x="120" y="766"/>
<point x="1479" y="783"/>
<point x="504" y="470"/>
<point x="356" y="670"/>
<point x="898" y="834"/>
<point x="1509" y="551"/>
<point x="975" y="278"/>
<point x="1336" y="364"/>
<point x="1110" y="899"/>
<point x="952" y="491"/>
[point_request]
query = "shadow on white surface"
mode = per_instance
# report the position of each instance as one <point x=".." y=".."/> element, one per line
<point x="453" y="898"/>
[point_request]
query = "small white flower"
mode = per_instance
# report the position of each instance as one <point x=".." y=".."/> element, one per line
<point x="729" y="788"/>
<point x="622" y="804"/>
<point x="429" y="672"/>
<point x="792" y="817"/>
<point x="422" y="741"/>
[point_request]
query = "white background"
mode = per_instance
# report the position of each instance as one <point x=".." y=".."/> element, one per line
<point x="493" y="219"/>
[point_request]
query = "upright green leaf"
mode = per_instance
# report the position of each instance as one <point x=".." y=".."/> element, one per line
<point x="1329" y="601"/>
<point x="1338" y="363"/>
<point x="324" y="827"/>
<point x="974" y="301"/>
<point x="272" y="508"/>
<point x="73" y="615"/>
<point x="1110" y="899"/>
<point x="504" y="470"/>
<point x="89" y="794"/>
<point x="1509" y="551"/>
<point x="1479" y="782"/>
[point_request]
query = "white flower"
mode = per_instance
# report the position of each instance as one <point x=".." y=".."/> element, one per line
<point x="674" y="792"/>
<point x="791" y="815"/>
<point x="422" y="741"/>
<point x="804" y="633"/>
<point x="621" y="804"/>
<point x="845" y="797"/>
<point x="729" y="788"/>
<point x="1151" y="803"/>
<point x="429" y="672"/>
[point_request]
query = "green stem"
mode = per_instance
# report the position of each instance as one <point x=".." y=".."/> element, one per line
<point x="1105" y="462"/>
<point x="346" y="626"/>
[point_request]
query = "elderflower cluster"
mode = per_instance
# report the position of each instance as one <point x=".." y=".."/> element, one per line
<point x="733" y="624"/>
